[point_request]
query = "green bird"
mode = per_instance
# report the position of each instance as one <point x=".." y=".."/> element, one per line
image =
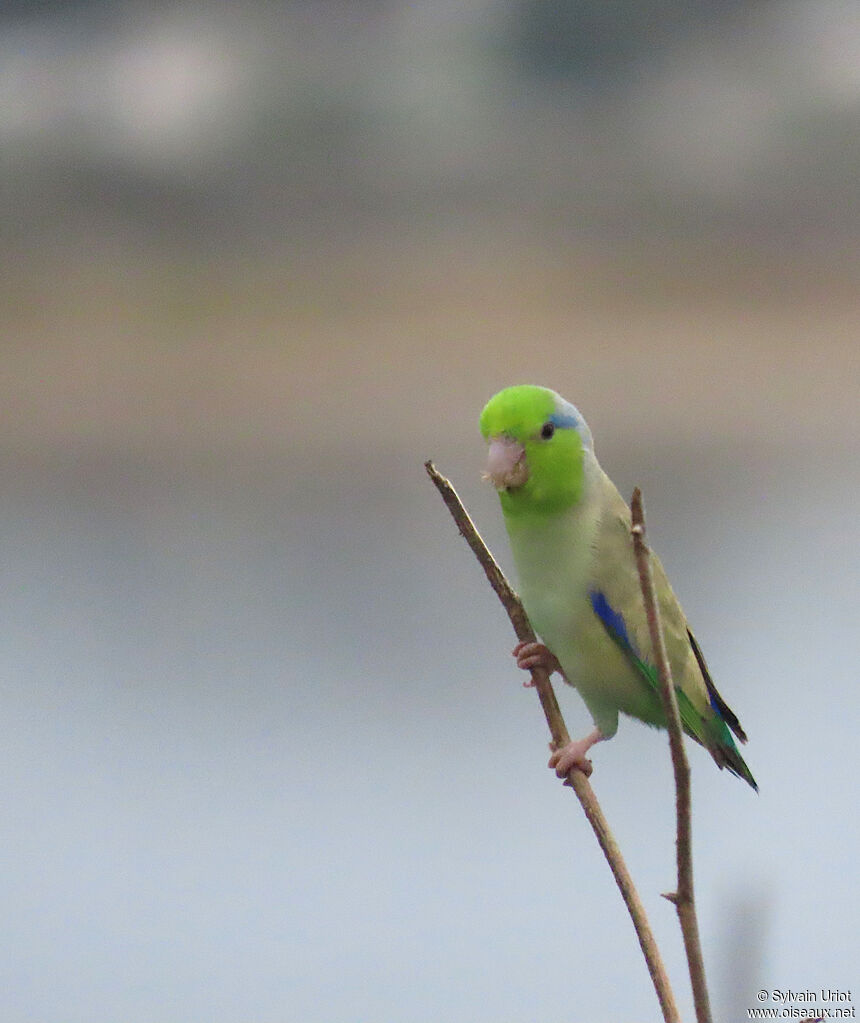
<point x="569" y="530"/>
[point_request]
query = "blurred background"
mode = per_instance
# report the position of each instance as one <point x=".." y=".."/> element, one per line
<point x="265" y="756"/>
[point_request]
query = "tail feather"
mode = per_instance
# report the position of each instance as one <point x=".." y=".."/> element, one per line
<point x="722" y="748"/>
<point x="713" y="733"/>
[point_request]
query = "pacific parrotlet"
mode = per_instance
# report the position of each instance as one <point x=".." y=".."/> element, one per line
<point x="569" y="530"/>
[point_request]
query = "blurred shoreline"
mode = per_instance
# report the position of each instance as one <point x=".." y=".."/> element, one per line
<point x="128" y="347"/>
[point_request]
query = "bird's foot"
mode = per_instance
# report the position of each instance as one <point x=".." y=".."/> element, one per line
<point x="573" y="755"/>
<point x="535" y="655"/>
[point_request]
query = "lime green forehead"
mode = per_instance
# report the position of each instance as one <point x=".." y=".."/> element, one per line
<point x="518" y="412"/>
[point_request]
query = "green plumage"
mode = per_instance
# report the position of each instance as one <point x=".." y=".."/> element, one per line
<point x="570" y="536"/>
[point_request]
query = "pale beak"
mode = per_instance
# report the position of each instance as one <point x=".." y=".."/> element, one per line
<point x="507" y="467"/>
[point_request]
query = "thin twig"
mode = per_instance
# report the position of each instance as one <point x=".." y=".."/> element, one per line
<point x="576" y="779"/>
<point x="682" y="898"/>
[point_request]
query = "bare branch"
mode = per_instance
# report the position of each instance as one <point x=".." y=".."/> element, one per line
<point x="576" y="779"/>
<point x="683" y="897"/>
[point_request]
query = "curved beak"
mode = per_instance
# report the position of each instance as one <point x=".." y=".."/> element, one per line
<point x="507" y="467"/>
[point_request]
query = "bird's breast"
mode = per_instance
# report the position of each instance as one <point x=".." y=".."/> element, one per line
<point x="553" y="558"/>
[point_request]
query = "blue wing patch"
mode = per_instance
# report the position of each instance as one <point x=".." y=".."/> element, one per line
<point x="613" y="620"/>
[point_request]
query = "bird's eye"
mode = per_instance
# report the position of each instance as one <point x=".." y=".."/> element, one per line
<point x="547" y="430"/>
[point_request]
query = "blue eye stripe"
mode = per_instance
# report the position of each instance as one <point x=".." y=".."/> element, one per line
<point x="564" y="421"/>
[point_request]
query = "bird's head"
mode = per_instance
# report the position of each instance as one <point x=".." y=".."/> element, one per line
<point x="537" y="449"/>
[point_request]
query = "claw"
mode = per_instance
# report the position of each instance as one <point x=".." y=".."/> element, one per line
<point x="535" y="655"/>
<point x="573" y="755"/>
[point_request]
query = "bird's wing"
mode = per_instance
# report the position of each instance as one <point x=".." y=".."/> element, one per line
<point x="717" y="702"/>
<point x="616" y="599"/>
<point x="616" y="627"/>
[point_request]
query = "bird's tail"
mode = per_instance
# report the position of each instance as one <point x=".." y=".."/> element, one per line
<point x="722" y="748"/>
